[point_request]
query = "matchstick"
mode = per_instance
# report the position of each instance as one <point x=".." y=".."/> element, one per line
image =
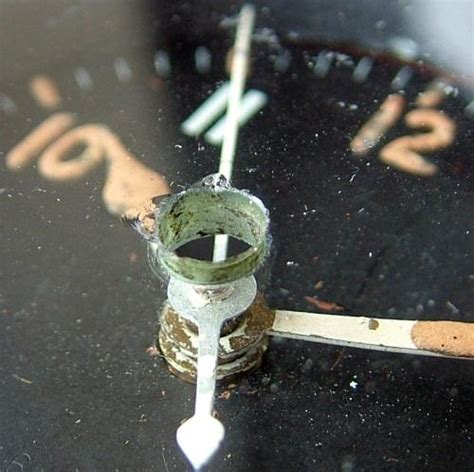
<point x="428" y="338"/>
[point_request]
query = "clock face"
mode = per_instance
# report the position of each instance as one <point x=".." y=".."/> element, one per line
<point x="362" y="155"/>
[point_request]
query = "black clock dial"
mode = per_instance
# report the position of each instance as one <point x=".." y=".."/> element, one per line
<point x="354" y="232"/>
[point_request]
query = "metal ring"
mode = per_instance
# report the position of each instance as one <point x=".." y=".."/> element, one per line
<point x="210" y="210"/>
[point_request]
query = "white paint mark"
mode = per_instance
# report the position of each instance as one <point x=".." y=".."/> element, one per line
<point x="343" y="60"/>
<point x="281" y="62"/>
<point x="7" y="104"/>
<point x="162" y="63"/>
<point x="207" y="113"/>
<point x="252" y="102"/>
<point x="267" y="36"/>
<point x="323" y="63"/>
<point x="450" y="91"/>
<point x="362" y="70"/>
<point x="83" y="79"/>
<point x="402" y="78"/>
<point x="404" y="48"/>
<point x="202" y="60"/>
<point x="122" y="70"/>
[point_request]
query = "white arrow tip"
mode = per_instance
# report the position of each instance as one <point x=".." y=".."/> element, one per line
<point x="199" y="438"/>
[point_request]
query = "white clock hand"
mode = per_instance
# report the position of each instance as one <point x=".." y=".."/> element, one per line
<point x="238" y="74"/>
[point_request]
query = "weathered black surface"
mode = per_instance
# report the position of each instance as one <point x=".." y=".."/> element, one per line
<point x="77" y="311"/>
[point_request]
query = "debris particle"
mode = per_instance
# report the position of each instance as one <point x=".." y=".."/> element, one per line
<point x="265" y="380"/>
<point x="453" y="392"/>
<point x="324" y="304"/>
<point x="133" y="257"/>
<point x="319" y="285"/>
<point x="152" y="351"/>
<point x="245" y="390"/>
<point x="22" y="379"/>
<point x="225" y="395"/>
<point x="274" y="388"/>
<point x="452" y="307"/>
<point x="348" y="463"/>
<point x="353" y="384"/>
<point x="306" y="368"/>
<point x="338" y="359"/>
<point x="373" y="324"/>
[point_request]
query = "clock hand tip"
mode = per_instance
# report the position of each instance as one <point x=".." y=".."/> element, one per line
<point x="199" y="438"/>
